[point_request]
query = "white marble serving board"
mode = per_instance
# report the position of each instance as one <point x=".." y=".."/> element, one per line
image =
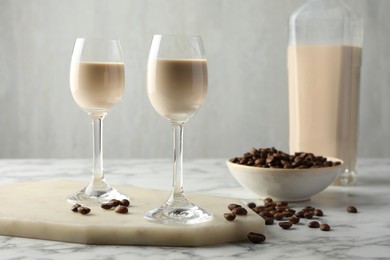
<point x="39" y="210"/>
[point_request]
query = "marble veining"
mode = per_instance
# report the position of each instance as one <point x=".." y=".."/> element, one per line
<point x="365" y="235"/>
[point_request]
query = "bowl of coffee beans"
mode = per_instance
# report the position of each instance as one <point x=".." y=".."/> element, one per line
<point x="269" y="172"/>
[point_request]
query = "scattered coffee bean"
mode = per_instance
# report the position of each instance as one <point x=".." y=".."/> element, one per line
<point x="273" y="158"/>
<point x="318" y="213"/>
<point x="125" y="202"/>
<point x="75" y="207"/>
<point x="83" y="210"/>
<point x="80" y="209"/>
<point x="300" y="214"/>
<point x="240" y="211"/>
<point x="324" y="227"/>
<point x="259" y="209"/>
<point x="229" y="216"/>
<point x="294" y="219"/>
<point x="308" y="208"/>
<point x="233" y="206"/>
<point x="281" y="203"/>
<point x="308" y="215"/>
<point x="270" y="204"/>
<point x="313" y="224"/>
<point x="256" y="238"/>
<point x="278" y="216"/>
<point x="121" y="209"/>
<point x="114" y="202"/>
<point x="269" y="221"/>
<point x="352" y="209"/>
<point x="266" y="214"/>
<point x="266" y="200"/>
<point x="106" y="206"/>
<point x="288" y="214"/>
<point x="285" y="224"/>
<point x="251" y="205"/>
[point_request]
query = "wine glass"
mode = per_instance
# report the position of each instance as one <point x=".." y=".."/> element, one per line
<point x="177" y="87"/>
<point x="97" y="84"/>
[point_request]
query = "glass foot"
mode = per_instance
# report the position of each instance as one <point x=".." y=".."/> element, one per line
<point x="93" y="195"/>
<point x="190" y="214"/>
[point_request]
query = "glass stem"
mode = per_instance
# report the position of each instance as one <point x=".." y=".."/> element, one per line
<point x="177" y="161"/>
<point x="97" y="127"/>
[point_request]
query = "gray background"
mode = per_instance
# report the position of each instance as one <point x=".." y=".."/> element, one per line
<point x="247" y="101"/>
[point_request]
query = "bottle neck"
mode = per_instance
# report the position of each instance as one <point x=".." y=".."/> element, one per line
<point x="325" y="22"/>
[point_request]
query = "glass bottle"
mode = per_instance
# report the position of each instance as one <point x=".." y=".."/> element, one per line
<point x="324" y="60"/>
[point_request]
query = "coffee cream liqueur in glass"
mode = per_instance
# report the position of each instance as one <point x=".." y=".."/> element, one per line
<point x="177" y="87"/>
<point x="97" y="81"/>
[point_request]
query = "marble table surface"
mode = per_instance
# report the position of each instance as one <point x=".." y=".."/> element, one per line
<point x="365" y="235"/>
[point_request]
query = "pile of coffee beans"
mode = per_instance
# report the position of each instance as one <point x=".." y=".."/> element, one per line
<point x="280" y="211"/>
<point x="80" y="209"/>
<point x="273" y="158"/>
<point x="272" y="211"/>
<point x="121" y="206"/>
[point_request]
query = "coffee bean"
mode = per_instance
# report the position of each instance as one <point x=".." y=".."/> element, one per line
<point x="121" y="209"/>
<point x="308" y="208"/>
<point x="266" y="214"/>
<point x="258" y="209"/>
<point x="229" y="216"/>
<point x="352" y="209"/>
<point x="314" y="224"/>
<point x="83" y="210"/>
<point x="125" y="202"/>
<point x="75" y="207"/>
<point x="281" y="203"/>
<point x="106" y="206"/>
<point x="300" y="214"/>
<point x="324" y="227"/>
<point x="269" y="221"/>
<point x="239" y="211"/>
<point x="256" y="238"/>
<point x="294" y="219"/>
<point x="318" y="213"/>
<point x="288" y="214"/>
<point x="114" y="202"/>
<point x="270" y="204"/>
<point x="259" y="161"/>
<point x="271" y="209"/>
<point x="266" y="200"/>
<point x="278" y="216"/>
<point x="250" y="162"/>
<point x="285" y="224"/>
<point x="233" y="206"/>
<point x="251" y="205"/>
<point x="243" y="160"/>
<point x="308" y="215"/>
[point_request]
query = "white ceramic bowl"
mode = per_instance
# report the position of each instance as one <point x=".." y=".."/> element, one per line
<point x="285" y="184"/>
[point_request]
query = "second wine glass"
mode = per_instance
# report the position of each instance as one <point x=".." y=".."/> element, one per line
<point x="97" y="83"/>
<point x="177" y="87"/>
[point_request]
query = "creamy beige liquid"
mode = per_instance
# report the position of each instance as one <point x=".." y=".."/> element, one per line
<point x="97" y="86"/>
<point x="323" y="100"/>
<point x="177" y="88"/>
